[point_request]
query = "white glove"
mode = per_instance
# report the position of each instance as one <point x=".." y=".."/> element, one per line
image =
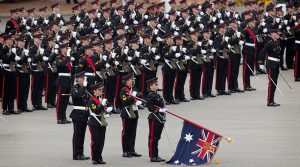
<point x="177" y="55"/>
<point x="107" y="65"/>
<point x="58" y="37"/>
<point x="173" y="26"/>
<point x="42" y="51"/>
<point x="133" y="15"/>
<point x="74" y="33"/>
<point x="123" y="20"/>
<point x="56" y="51"/>
<point x="69" y="52"/>
<point x="219" y="15"/>
<point x="117" y="63"/>
<point x="98" y="15"/>
<point x="143" y="61"/>
<point x="167" y="16"/>
<point x="108" y="23"/>
<point x="104" y="102"/>
<point x="174" y="48"/>
<point x="238" y="34"/>
<point x="129" y="58"/>
<point x="236" y="16"/>
<point x="85" y="82"/>
<point x="229" y="46"/>
<point x="199" y="7"/>
<point x="265" y="30"/>
<point x="186" y="57"/>
<point x="81" y="25"/>
<point x="27" y="28"/>
<point x="214" y="19"/>
<point x="29" y="60"/>
<point x="137" y="54"/>
<point x="58" y="15"/>
<point x="157" y="57"/>
<point x="24" y="21"/>
<point x="210" y="42"/>
<point x="138" y="103"/>
<point x="277" y="20"/>
<point x="159" y="39"/>
<point x="77" y="42"/>
<point x="191" y="29"/>
<point x="263" y="24"/>
<point x="294" y="17"/>
<point x="72" y="59"/>
<point x="126" y="50"/>
<point x="188" y="23"/>
<point x="109" y="109"/>
<point x="17" y="58"/>
<point x="134" y="93"/>
<point x="141" y="40"/>
<point x="266" y="14"/>
<point x="201" y="13"/>
<point x="155" y="31"/>
<point x="96" y="31"/>
<point x="176" y="33"/>
<point x="199" y="43"/>
<point x="14" y="50"/>
<point x="26" y="52"/>
<point x="78" y="19"/>
<point x="93" y="25"/>
<point x="288" y="28"/>
<point x="61" y="23"/>
<point x="239" y="22"/>
<point x="203" y="51"/>
<point x="45" y="58"/>
<point x="201" y="26"/>
<point x="213" y="50"/>
<point x="146" y="16"/>
<point x="221" y="21"/>
<point x="35" y="22"/>
<point x="178" y="13"/>
<point x="262" y="67"/>
<point x="279" y="26"/>
<point x="158" y="25"/>
<point x="46" y="21"/>
<point x="135" y="22"/>
<point x="113" y="55"/>
<point x="153" y="50"/>
<point x="184" y="50"/>
<point x="227" y="14"/>
<point x="226" y="39"/>
<point x="163" y="110"/>
<point x="241" y="43"/>
<point x="126" y="27"/>
<point x="296" y="24"/>
<point x="198" y="18"/>
<point x="285" y="22"/>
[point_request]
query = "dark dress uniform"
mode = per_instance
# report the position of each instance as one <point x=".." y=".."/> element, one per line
<point x="11" y="25"/>
<point x="79" y="117"/>
<point x="297" y="50"/>
<point x="97" y="130"/>
<point x="130" y="116"/>
<point x="273" y="50"/>
<point x="156" y="123"/>
<point x="63" y="83"/>
<point x="87" y="64"/>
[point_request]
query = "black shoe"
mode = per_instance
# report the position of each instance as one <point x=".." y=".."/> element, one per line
<point x="161" y="159"/>
<point x="212" y="95"/>
<point x="81" y="157"/>
<point x="239" y="90"/>
<point x="27" y="110"/>
<point x="67" y="121"/>
<point x="183" y="100"/>
<point x="249" y="88"/>
<point x="220" y="93"/>
<point x="100" y="161"/>
<point x="134" y="154"/>
<point x="226" y="92"/>
<point x="205" y="96"/>
<point x="41" y="108"/>
<point x="117" y="111"/>
<point x="141" y="107"/>
<point x="50" y="106"/>
<point x="273" y="104"/>
<point x="20" y="110"/>
<point x="197" y="98"/>
<point x="297" y="79"/>
<point x="232" y="91"/>
<point x="174" y="102"/>
<point x="155" y="159"/>
<point x="95" y="162"/>
<point x="168" y="103"/>
<point x="15" y="112"/>
<point x="60" y="122"/>
<point x="127" y="155"/>
<point x="5" y="112"/>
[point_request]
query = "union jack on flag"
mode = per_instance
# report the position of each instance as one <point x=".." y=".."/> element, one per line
<point x="197" y="146"/>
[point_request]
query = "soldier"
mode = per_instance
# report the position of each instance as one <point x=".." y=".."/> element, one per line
<point x="63" y="83"/>
<point x="79" y="115"/>
<point x="289" y="21"/>
<point x="129" y="115"/>
<point x="297" y="47"/>
<point x="97" y="123"/>
<point x="9" y="76"/>
<point x="56" y="15"/>
<point x="157" y="118"/>
<point x="12" y="23"/>
<point x="273" y="50"/>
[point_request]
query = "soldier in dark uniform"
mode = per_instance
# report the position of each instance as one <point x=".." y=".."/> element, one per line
<point x="97" y="123"/>
<point x="157" y="118"/>
<point x="273" y="50"/>
<point x="12" y="23"/>
<point x="289" y="22"/>
<point x="79" y="115"/>
<point x="296" y="31"/>
<point x="129" y="115"/>
<point x="63" y="83"/>
<point x="56" y="15"/>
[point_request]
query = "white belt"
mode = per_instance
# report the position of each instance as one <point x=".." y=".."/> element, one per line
<point x="297" y="42"/>
<point x="64" y="74"/>
<point x="211" y="57"/>
<point x="5" y="65"/>
<point x="79" y="108"/>
<point x="273" y="59"/>
<point x="89" y="74"/>
<point x="18" y="65"/>
<point x="250" y="44"/>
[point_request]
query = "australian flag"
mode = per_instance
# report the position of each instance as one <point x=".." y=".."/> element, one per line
<point x="196" y="146"/>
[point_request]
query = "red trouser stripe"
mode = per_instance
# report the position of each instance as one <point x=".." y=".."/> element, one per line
<point x="151" y="138"/>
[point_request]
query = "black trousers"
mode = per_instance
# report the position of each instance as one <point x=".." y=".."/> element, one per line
<point x="289" y="59"/>
<point x="155" y="130"/>
<point x="208" y="75"/>
<point x="221" y="74"/>
<point x="259" y="47"/>
<point x="37" y="86"/>
<point x="169" y="76"/>
<point x="248" y="62"/>
<point x="51" y="88"/>
<point x="109" y="89"/>
<point x="98" y="139"/>
<point x="118" y="84"/>
<point x="273" y="73"/>
<point x="297" y="63"/>
<point x="91" y="80"/>
<point x="22" y="90"/>
<point x="195" y="80"/>
<point x="8" y="91"/>
<point x="146" y="75"/>
<point x="179" y="84"/>
<point x="233" y="71"/>
<point x="63" y="94"/>
<point x="129" y="134"/>
<point x="78" y="137"/>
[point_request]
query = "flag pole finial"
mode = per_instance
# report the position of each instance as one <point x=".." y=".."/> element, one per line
<point x="229" y="139"/>
<point x="217" y="161"/>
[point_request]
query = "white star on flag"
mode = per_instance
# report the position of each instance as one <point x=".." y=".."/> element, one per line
<point x="188" y="137"/>
<point x="176" y="162"/>
<point x="191" y="161"/>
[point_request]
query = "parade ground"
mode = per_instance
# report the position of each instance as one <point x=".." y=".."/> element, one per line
<point x="262" y="136"/>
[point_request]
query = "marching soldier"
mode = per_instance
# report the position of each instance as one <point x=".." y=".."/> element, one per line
<point x="273" y="50"/>
<point x="297" y="47"/>
<point x="56" y="15"/>
<point x="129" y="115"/>
<point x="157" y="119"/>
<point x="12" y="23"/>
<point x="79" y="115"/>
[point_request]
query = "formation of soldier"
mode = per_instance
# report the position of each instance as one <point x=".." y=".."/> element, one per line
<point x="112" y="52"/>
